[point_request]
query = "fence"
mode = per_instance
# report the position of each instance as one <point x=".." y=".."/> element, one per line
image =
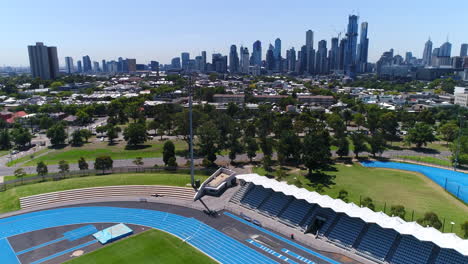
<point x="118" y="170"/>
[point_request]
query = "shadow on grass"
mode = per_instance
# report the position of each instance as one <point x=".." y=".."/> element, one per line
<point x="320" y="180"/>
<point x="58" y="146"/>
<point x="136" y="147"/>
<point x="425" y="150"/>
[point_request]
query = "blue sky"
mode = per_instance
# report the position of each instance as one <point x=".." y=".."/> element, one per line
<point x="159" y="30"/>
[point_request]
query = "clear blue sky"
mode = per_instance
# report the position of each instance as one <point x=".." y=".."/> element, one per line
<point x="159" y="30"/>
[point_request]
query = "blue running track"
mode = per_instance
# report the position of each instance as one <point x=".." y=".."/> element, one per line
<point x="453" y="181"/>
<point x="208" y="240"/>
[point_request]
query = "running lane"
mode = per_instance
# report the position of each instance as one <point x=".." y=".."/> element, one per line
<point x="208" y="240"/>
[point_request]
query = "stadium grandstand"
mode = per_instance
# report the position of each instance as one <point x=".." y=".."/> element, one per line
<point x="374" y="235"/>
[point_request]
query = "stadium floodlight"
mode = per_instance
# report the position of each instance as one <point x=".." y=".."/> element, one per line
<point x="190" y="91"/>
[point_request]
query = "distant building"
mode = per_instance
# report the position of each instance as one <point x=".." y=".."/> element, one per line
<point x="79" y="67"/>
<point x="154" y="65"/>
<point x="363" y="49"/>
<point x="131" y="64"/>
<point x="351" y="46"/>
<point x="219" y="63"/>
<point x="43" y="61"/>
<point x="87" y="64"/>
<point x="461" y="96"/>
<point x="185" y="56"/>
<point x="256" y="58"/>
<point x="175" y="63"/>
<point x="233" y="60"/>
<point x="464" y="50"/>
<point x="229" y="98"/>
<point x="427" y="54"/>
<point x="69" y="66"/>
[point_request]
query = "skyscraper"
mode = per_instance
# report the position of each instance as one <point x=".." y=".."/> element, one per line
<point x="333" y="58"/>
<point x="257" y="53"/>
<point x="277" y="50"/>
<point x="270" y="59"/>
<point x="79" y="67"/>
<point x="203" y="61"/>
<point x="175" y="63"/>
<point x="131" y="64"/>
<point x="427" y="54"/>
<point x="445" y="50"/>
<point x="96" y="66"/>
<point x="464" y="50"/>
<point x="363" y="48"/>
<point x="341" y="54"/>
<point x="219" y="63"/>
<point x="43" y="61"/>
<point x="233" y="60"/>
<point x="321" y="58"/>
<point x="244" y="60"/>
<point x="87" y="64"/>
<point x="309" y="58"/>
<point x="70" y="68"/>
<point x="292" y="60"/>
<point x="351" y="45"/>
<point x="185" y="56"/>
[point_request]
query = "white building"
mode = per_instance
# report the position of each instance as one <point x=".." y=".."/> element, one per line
<point x="461" y="96"/>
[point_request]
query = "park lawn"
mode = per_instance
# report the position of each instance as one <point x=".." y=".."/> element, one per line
<point x="152" y="246"/>
<point x="412" y="190"/>
<point x="13" y="177"/>
<point x="9" y="199"/>
<point x="152" y="149"/>
<point x="426" y="159"/>
<point x="439" y="146"/>
<point x="28" y="157"/>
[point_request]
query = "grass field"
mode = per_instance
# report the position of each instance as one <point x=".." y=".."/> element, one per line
<point x="152" y="246"/>
<point x="412" y="190"/>
<point x="9" y="199"/>
<point x="27" y="157"/>
<point x="152" y="149"/>
<point x="431" y="160"/>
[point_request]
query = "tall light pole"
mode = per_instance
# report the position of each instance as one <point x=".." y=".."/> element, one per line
<point x="192" y="176"/>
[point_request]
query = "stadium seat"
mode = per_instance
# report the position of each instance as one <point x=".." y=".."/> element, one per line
<point x="450" y="256"/>
<point x="346" y="230"/>
<point x="296" y="211"/>
<point x="410" y="251"/>
<point x="239" y="195"/>
<point x="326" y="213"/>
<point x="377" y="241"/>
<point x="275" y="203"/>
<point x="255" y="197"/>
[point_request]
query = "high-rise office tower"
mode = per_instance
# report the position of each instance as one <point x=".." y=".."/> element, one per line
<point x="87" y="64"/>
<point x="96" y="66"/>
<point x="270" y="59"/>
<point x="257" y="53"/>
<point x="351" y="45"/>
<point x="244" y="60"/>
<point x="341" y="54"/>
<point x="120" y="65"/>
<point x="302" y="58"/>
<point x="464" y="50"/>
<point x="203" y="61"/>
<point x="219" y="63"/>
<point x="277" y="50"/>
<point x="408" y="57"/>
<point x="363" y="48"/>
<point x="333" y="58"/>
<point x="131" y="64"/>
<point x="69" y="66"/>
<point x="185" y="56"/>
<point x="233" y="60"/>
<point x="154" y="66"/>
<point x="321" y="58"/>
<point x="79" y="67"/>
<point x="427" y="54"/>
<point x="43" y="61"/>
<point x="445" y="50"/>
<point x="104" y="67"/>
<point x="175" y="63"/>
<point x="292" y="60"/>
<point x="309" y="51"/>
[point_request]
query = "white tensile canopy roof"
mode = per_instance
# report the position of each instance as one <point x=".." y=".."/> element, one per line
<point x="429" y="234"/>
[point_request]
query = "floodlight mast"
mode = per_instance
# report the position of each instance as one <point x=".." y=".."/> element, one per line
<point x="192" y="177"/>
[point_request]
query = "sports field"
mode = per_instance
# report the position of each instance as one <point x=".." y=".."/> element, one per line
<point x="152" y="246"/>
<point x="152" y="149"/>
<point x="9" y="199"/>
<point x="386" y="187"/>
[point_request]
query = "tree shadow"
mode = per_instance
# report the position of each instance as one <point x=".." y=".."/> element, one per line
<point x="58" y="146"/>
<point x="321" y="179"/>
<point x="425" y="150"/>
<point x="136" y="147"/>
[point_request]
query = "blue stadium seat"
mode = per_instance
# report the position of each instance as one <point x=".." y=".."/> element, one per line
<point x="256" y="196"/>
<point x="450" y="256"/>
<point x="377" y="241"/>
<point x="347" y="230"/>
<point x="326" y="213"/>
<point x="275" y="203"/>
<point x="410" y="251"/>
<point x="239" y="195"/>
<point x="296" y="211"/>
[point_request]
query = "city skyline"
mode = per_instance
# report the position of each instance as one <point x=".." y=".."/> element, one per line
<point x="165" y="38"/>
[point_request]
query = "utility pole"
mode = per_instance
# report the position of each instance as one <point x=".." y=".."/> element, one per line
<point x="192" y="176"/>
<point x="457" y="152"/>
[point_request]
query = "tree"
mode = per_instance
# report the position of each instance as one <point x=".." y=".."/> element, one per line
<point x="343" y="195"/>
<point x="377" y="143"/>
<point x="41" y="169"/>
<point x="359" y="120"/>
<point x="5" y="140"/>
<point x="76" y="138"/>
<point x="288" y="146"/>
<point x="398" y="210"/>
<point x="103" y="163"/>
<point x="21" y="136"/>
<point x="359" y="141"/>
<point x="343" y="146"/>
<point x="347" y="116"/>
<point x="208" y="140"/>
<point x="389" y="125"/>
<point x="464" y="228"/>
<point x="83" y="118"/>
<point x="86" y="134"/>
<point x="234" y="145"/>
<point x="251" y="147"/>
<point x="430" y="219"/>
<point x="367" y="202"/>
<point x="57" y="134"/>
<point x="64" y="167"/>
<point x="82" y="164"/>
<point x="135" y="134"/>
<point x="316" y="150"/>
<point x="168" y="151"/>
<point x="138" y="161"/>
<point x="335" y="122"/>
<point x="448" y="131"/>
<point x="153" y="125"/>
<point x="172" y="162"/>
<point x="420" y="135"/>
<point x="112" y="133"/>
<point x="20" y="174"/>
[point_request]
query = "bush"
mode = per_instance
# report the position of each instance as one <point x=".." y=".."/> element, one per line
<point x="398" y="210"/>
<point x="343" y="195"/>
<point x="464" y="227"/>
<point x="367" y="202"/>
<point x="430" y="219"/>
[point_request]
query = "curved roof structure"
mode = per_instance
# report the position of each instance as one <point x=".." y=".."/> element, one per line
<point x="429" y="234"/>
